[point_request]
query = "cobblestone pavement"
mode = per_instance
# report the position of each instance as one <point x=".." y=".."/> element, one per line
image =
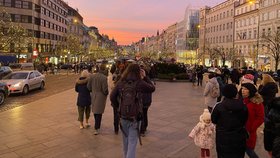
<point x="48" y="128"/>
<point x="54" y="84"/>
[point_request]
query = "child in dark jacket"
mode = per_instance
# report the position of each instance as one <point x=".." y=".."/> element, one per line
<point x="84" y="98"/>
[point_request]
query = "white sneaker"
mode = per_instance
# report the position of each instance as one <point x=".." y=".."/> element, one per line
<point x="96" y="132"/>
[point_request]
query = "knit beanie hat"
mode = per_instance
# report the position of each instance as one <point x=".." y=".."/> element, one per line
<point x="205" y="116"/>
<point x="249" y="77"/>
<point x="230" y="91"/>
<point x="252" y="89"/>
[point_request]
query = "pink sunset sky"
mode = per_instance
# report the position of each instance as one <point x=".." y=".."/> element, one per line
<point x="128" y="21"/>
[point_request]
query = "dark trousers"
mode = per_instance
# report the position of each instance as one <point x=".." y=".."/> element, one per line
<point x="199" y="81"/>
<point x="97" y="118"/>
<point x="116" y="119"/>
<point x="144" y="123"/>
<point x="83" y="110"/>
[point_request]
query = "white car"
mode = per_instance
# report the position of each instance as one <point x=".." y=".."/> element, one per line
<point x="24" y="81"/>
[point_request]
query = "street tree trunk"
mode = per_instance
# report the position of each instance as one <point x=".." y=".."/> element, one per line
<point x="276" y="63"/>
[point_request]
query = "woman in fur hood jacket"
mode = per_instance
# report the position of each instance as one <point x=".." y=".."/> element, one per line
<point x="254" y="103"/>
<point x="84" y="98"/>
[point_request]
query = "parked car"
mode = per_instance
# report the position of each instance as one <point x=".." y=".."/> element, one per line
<point x="5" y="70"/>
<point x="24" y="81"/>
<point x="22" y="66"/>
<point x="4" y="92"/>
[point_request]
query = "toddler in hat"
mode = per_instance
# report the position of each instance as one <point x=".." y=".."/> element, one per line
<point x="203" y="134"/>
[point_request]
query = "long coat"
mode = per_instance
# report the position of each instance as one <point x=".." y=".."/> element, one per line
<point x="209" y="100"/>
<point x="98" y="85"/>
<point x="255" y="118"/>
<point x="230" y="117"/>
<point x="84" y="98"/>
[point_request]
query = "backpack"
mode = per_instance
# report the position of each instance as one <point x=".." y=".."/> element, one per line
<point x="130" y="102"/>
<point x="215" y="91"/>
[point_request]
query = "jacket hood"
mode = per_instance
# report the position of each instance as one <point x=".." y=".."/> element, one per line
<point x="82" y="80"/>
<point x="233" y="104"/>
<point x="257" y="99"/>
<point x="213" y="80"/>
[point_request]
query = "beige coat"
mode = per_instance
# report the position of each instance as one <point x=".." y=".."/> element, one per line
<point x="98" y="85"/>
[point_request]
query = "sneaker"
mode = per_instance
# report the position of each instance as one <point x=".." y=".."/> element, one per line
<point x="96" y="132"/>
<point x="81" y="127"/>
<point x="87" y="125"/>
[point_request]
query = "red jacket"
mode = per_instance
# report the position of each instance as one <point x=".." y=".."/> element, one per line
<point x="255" y="118"/>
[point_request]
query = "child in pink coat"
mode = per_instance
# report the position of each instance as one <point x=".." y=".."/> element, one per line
<point x="203" y="134"/>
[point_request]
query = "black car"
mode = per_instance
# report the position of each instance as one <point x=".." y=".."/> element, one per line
<point x="5" y="70"/>
<point x="4" y="92"/>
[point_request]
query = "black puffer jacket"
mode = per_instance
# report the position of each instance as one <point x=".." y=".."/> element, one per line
<point x="273" y="126"/>
<point x="230" y="117"/>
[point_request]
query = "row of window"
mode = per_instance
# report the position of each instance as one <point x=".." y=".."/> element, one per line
<point x="55" y="7"/>
<point x="245" y="22"/>
<point x="51" y="25"/>
<point x="50" y="36"/>
<point x="23" y="4"/>
<point x="220" y="16"/>
<point x="28" y="19"/>
<point x="221" y="27"/>
<point x="220" y="39"/>
<point x="270" y="15"/>
<point x="244" y="35"/>
<point x="246" y="9"/>
<point x="252" y="34"/>
<point x="28" y="5"/>
<point x="52" y="15"/>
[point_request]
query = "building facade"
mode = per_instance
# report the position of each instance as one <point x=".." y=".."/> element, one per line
<point x="187" y="37"/>
<point x="269" y="17"/>
<point x="216" y="33"/>
<point x="45" y="20"/>
<point x="246" y="33"/>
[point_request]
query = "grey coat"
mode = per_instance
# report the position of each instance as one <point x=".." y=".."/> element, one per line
<point x="209" y="100"/>
<point x="98" y="85"/>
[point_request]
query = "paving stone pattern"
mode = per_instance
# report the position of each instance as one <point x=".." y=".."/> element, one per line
<point x="48" y="128"/>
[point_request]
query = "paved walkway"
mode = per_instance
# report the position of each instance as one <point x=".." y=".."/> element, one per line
<point x="48" y="128"/>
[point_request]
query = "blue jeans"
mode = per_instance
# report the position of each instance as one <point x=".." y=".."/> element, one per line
<point x="130" y="138"/>
<point x="251" y="153"/>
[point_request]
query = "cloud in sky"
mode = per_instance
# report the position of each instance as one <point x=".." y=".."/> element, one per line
<point x="129" y="20"/>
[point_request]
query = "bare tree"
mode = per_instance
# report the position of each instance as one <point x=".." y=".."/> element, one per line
<point x="272" y="42"/>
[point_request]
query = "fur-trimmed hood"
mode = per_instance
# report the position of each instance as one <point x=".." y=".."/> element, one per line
<point x="257" y="99"/>
<point x="82" y="80"/>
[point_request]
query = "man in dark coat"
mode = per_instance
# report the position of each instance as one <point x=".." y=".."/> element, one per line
<point x="230" y="117"/>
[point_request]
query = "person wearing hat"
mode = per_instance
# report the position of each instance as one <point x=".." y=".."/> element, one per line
<point x="254" y="103"/>
<point x="203" y="134"/>
<point x="230" y="116"/>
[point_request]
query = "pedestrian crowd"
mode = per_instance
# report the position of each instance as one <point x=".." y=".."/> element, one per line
<point x="234" y="113"/>
<point x="131" y="97"/>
